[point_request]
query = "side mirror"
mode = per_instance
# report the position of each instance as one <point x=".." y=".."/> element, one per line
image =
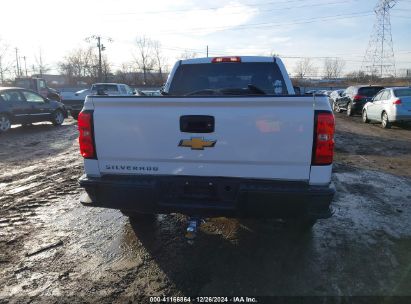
<point x="134" y="92"/>
<point x="46" y="100"/>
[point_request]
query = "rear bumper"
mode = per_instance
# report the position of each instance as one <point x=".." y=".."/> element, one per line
<point x="208" y="196"/>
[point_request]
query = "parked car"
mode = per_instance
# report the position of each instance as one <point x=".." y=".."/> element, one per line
<point x="150" y="93"/>
<point x="334" y="95"/>
<point x="75" y="103"/>
<point x="82" y="93"/>
<point x="389" y="106"/>
<point x="38" y="85"/>
<point x="324" y="92"/>
<point x="354" y="98"/>
<point x="21" y="106"/>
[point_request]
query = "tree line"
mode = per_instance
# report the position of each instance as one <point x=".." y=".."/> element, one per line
<point x="148" y="66"/>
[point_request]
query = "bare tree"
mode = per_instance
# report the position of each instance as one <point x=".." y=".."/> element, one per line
<point x="40" y="67"/>
<point x="305" y="68"/>
<point x="160" y="60"/>
<point x="82" y="65"/>
<point x="188" y="55"/>
<point x="145" y="58"/>
<point x="5" y="63"/>
<point x="333" y="68"/>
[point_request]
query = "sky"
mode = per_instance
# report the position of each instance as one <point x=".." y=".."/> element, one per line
<point x="290" y="28"/>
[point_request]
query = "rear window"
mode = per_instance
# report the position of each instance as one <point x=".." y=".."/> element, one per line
<point x="25" y="83"/>
<point x="105" y="87"/>
<point x="402" y="92"/>
<point x="191" y="78"/>
<point x="369" y="91"/>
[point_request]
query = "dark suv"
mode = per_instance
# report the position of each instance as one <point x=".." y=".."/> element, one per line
<point x="354" y="98"/>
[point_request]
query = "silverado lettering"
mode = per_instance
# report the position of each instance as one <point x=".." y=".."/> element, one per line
<point x="130" y="168"/>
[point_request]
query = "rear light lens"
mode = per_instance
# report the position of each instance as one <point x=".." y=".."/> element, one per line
<point x="323" y="151"/>
<point x="359" y="97"/>
<point x="226" y="59"/>
<point x="86" y="134"/>
<point x="397" y="102"/>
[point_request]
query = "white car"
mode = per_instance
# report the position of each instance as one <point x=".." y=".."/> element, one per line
<point x="75" y="104"/>
<point x="389" y="106"/>
<point x="114" y="89"/>
<point x="334" y="95"/>
<point x="82" y="94"/>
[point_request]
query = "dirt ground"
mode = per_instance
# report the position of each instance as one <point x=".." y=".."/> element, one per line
<point x="53" y="249"/>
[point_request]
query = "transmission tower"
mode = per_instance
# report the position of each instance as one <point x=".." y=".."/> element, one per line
<point x="379" y="57"/>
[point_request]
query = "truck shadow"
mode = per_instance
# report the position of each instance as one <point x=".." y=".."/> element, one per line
<point x="229" y="257"/>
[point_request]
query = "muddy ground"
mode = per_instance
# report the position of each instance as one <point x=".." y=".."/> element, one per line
<point x="53" y="249"/>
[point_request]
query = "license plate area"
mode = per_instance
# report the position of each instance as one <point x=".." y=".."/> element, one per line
<point x="193" y="190"/>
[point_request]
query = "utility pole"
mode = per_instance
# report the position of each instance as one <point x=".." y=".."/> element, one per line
<point x="207" y="51"/>
<point x="17" y="62"/>
<point x="101" y="48"/>
<point x="25" y="64"/>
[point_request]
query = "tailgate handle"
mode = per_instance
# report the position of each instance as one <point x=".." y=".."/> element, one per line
<point x="197" y="124"/>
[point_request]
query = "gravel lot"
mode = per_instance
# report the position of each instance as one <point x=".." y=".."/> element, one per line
<point x="53" y="248"/>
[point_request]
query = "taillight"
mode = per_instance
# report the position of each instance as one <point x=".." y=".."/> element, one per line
<point x="226" y="59"/>
<point x="397" y="102"/>
<point x="86" y="136"/>
<point x="359" y="97"/>
<point x="323" y="150"/>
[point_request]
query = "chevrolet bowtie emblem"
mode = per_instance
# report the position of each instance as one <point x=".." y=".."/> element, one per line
<point x="197" y="143"/>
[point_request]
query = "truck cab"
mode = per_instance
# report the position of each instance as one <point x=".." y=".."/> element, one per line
<point x="38" y="85"/>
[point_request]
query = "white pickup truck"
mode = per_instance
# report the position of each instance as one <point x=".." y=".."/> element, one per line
<point x="228" y="138"/>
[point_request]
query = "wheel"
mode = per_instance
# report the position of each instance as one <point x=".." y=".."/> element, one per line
<point x="385" y="123"/>
<point x="5" y="123"/>
<point x="74" y="115"/>
<point x="300" y="224"/>
<point x="364" y="117"/>
<point x="349" y="109"/>
<point x="139" y="217"/>
<point x="336" y="107"/>
<point x="58" y="118"/>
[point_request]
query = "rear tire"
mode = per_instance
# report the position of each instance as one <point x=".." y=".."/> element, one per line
<point x="349" y="109"/>
<point x="385" y="123"/>
<point x="364" y="117"/>
<point x="5" y="123"/>
<point x="58" y="118"/>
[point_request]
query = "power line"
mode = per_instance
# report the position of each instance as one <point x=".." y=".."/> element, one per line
<point x="209" y="8"/>
<point x="270" y="24"/>
<point x="238" y="6"/>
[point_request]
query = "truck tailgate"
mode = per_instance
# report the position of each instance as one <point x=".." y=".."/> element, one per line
<point x="253" y="137"/>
